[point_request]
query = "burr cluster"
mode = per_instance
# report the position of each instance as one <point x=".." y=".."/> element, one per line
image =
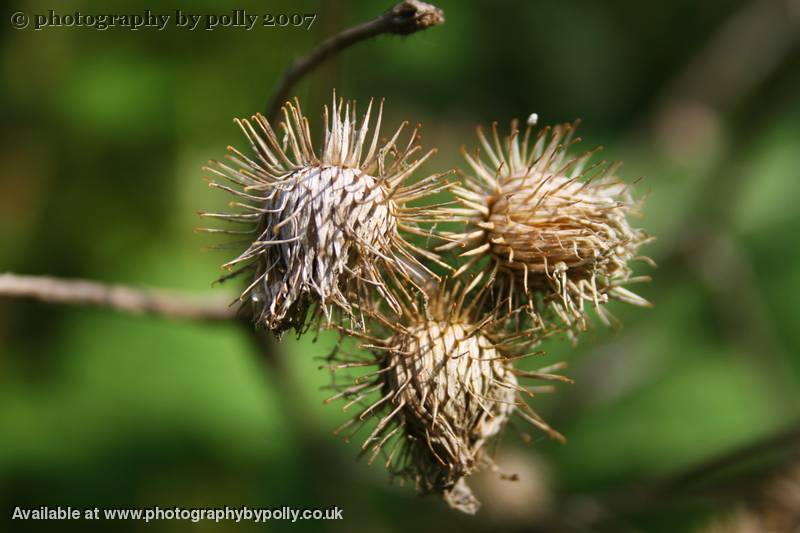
<point x="445" y="322"/>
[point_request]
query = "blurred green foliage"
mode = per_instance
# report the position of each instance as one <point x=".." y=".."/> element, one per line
<point x="103" y="141"/>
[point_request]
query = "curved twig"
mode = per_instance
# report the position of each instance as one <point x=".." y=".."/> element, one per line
<point x="404" y="18"/>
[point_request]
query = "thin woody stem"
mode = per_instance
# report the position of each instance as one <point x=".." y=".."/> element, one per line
<point x="165" y="303"/>
<point x="687" y="484"/>
<point x="404" y="18"/>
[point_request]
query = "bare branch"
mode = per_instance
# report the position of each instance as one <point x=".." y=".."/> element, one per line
<point x="784" y="442"/>
<point x="406" y="17"/>
<point x="693" y="484"/>
<point x="165" y="303"/>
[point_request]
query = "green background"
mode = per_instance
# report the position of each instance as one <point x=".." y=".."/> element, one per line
<point x="104" y="136"/>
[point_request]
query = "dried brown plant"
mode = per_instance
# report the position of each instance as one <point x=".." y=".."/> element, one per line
<point x="443" y="387"/>
<point x="324" y="227"/>
<point x="552" y="234"/>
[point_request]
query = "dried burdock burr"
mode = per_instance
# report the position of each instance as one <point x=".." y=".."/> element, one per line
<point x="323" y="227"/>
<point x="443" y="387"/>
<point x="553" y="234"/>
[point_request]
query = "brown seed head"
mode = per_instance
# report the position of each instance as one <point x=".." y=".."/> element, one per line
<point x="447" y="386"/>
<point x="557" y="235"/>
<point x="456" y="393"/>
<point x="324" y="230"/>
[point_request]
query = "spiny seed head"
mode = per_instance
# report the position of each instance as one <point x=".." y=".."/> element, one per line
<point x="447" y="386"/>
<point x="556" y="234"/>
<point x="324" y="229"/>
<point x="456" y="393"/>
